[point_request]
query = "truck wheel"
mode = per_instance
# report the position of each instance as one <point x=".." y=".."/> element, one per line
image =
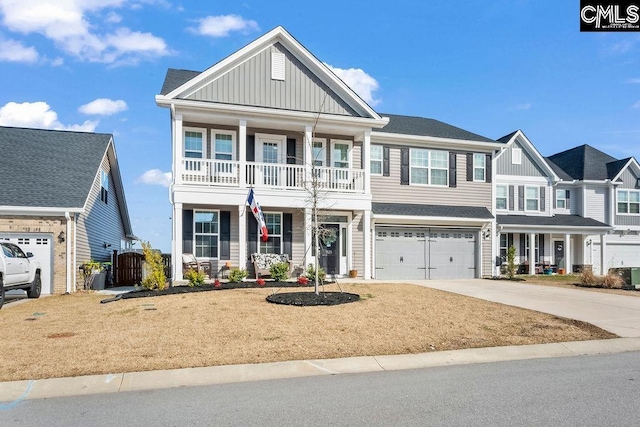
<point x="1" y="292"/>
<point x="36" y="287"/>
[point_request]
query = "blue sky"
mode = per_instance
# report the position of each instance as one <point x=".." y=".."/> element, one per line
<point x="490" y="67"/>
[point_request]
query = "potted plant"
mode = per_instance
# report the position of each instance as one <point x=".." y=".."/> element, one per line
<point x="353" y="274"/>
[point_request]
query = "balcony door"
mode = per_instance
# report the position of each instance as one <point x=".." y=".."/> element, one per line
<point x="271" y="152"/>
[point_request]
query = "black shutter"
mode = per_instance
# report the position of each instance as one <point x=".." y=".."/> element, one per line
<point x="543" y="198"/>
<point x="568" y="194"/>
<point x="509" y="240"/>
<point x="511" y="198"/>
<point x="469" y="166"/>
<point x="225" y="235"/>
<point x="453" y="170"/>
<point x="287" y="234"/>
<point x="385" y="161"/>
<point x="291" y="151"/>
<point x="187" y="232"/>
<point x="252" y="235"/>
<point x="404" y="166"/>
<point x="523" y="248"/>
<point x="555" y="198"/>
<point x="488" y="171"/>
<point x="251" y="148"/>
<point x="520" y="197"/>
<point x="541" y="246"/>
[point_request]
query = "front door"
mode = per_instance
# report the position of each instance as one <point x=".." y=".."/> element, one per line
<point x="558" y="252"/>
<point x="330" y="248"/>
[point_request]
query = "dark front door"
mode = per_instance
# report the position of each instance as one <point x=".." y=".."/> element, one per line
<point x="329" y="248"/>
<point x="558" y="251"/>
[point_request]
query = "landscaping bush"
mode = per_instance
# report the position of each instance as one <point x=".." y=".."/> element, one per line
<point x="195" y="277"/>
<point x="237" y="275"/>
<point x="613" y="281"/>
<point x="511" y="262"/>
<point x="311" y="273"/>
<point x="155" y="269"/>
<point x="279" y="271"/>
<point x="587" y="278"/>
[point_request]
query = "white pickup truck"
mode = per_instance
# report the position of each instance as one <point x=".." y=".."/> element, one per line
<point x="18" y="271"/>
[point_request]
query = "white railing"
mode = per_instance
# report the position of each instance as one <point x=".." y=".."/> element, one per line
<point x="271" y="175"/>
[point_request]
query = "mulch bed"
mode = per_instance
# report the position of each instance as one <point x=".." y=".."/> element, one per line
<point x="306" y="299"/>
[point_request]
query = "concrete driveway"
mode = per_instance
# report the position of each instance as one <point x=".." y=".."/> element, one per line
<point x="615" y="313"/>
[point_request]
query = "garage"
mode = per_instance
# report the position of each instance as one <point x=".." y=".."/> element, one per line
<point x="425" y="253"/>
<point x="40" y="245"/>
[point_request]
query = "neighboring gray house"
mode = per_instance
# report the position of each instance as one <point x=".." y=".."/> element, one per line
<point x="61" y="198"/>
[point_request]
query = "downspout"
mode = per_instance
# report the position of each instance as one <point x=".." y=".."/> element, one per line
<point x="75" y="251"/>
<point x="68" y="218"/>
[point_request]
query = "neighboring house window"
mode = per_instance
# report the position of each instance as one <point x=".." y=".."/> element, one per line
<point x="104" y="186"/>
<point x="376" y="160"/>
<point x="273" y="245"/>
<point x="504" y="238"/>
<point x="223" y="145"/>
<point x="340" y="154"/>
<point x="628" y="202"/>
<point x="516" y="156"/>
<point x="319" y="153"/>
<point x="206" y="234"/>
<point x="479" y="167"/>
<point x="561" y="199"/>
<point x="194" y="144"/>
<point x="532" y="196"/>
<point x="501" y="197"/>
<point x="429" y="167"/>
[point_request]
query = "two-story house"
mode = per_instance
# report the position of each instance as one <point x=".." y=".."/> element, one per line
<point x="273" y="118"/>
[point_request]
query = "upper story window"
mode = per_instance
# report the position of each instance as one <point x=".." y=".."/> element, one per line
<point x="194" y="143"/>
<point x="206" y="233"/>
<point x="376" y="160"/>
<point x="341" y="154"/>
<point x="479" y="167"/>
<point x="628" y="202"/>
<point x="562" y="197"/>
<point x="273" y="245"/>
<point x="319" y="152"/>
<point x="516" y="156"/>
<point x="532" y="198"/>
<point x="223" y="145"/>
<point x="104" y="186"/>
<point x="429" y="167"/>
<point x="501" y="197"/>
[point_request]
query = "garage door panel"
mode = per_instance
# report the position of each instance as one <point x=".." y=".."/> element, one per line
<point x="401" y="254"/>
<point x="42" y="249"/>
<point x="452" y="256"/>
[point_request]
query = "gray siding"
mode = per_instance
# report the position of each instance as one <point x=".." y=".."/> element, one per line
<point x="629" y="182"/>
<point x="528" y="167"/>
<point x="573" y="205"/>
<point x="467" y="193"/>
<point x="250" y="83"/>
<point x="357" y="244"/>
<point x="629" y="179"/>
<point x="596" y="203"/>
<point x="487" y="260"/>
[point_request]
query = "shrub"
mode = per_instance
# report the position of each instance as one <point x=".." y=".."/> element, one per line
<point x="195" y="277"/>
<point x="155" y="269"/>
<point x="613" y="281"/>
<point x="311" y="273"/>
<point x="237" y="275"/>
<point x="279" y="271"/>
<point x="587" y="278"/>
<point x="511" y="262"/>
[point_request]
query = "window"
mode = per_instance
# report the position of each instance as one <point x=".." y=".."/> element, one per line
<point x="532" y="202"/>
<point x="628" y="202"/>
<point x="429" y="167"/>
<point x="376" y="160"/>
<point x="223" y="147"/>
<point x="516" y="156"/>
<point x="537" y="247"/>
<point x="504" y="243"/>
<point x="104" y="186"/>
<point x="501" y="197"/>
<point x="319" y="153"/>
<point x="194" y="144"/>
<point x="479" y="167"/>
<point x="206" y="234"/>
<point x="561" y="199"/>
<point x="273" y="245"/>
<point x="277" y="65"/>
<point x="340" y="154"/>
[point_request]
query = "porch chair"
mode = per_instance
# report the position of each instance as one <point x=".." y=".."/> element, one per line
<point x="190" y="262"/>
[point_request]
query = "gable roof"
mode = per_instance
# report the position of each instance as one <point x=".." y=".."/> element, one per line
<point x="54" y="169"/>
<point x="176" y="78"/>
<point x="505" y="139"/>
<point x="411" y="125"/>
<point x="541" y="162"/>
<point x="587" y="163"/>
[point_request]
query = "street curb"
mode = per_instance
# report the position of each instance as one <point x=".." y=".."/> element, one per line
<point x="15" y="392"/>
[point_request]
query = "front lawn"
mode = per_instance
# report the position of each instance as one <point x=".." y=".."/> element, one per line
<point x="71" y="335"/>
<point x="570" y="281"/>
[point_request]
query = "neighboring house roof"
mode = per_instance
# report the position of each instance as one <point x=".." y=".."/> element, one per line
<point x="54" y="169"/>
<point x="505" y="139"/>
<point x="550" y="221"/>
<point x="176" y="78"/>
<point x="614" y="168"/>
<point x="558" y="170"/>
<point x="407" y="209"/>
<point x="538" y="160"/>
<point x="586" y="163"/>
<point x="410" y="125"/>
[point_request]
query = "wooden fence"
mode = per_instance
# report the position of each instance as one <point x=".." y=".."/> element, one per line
<point x="127" y="270"/>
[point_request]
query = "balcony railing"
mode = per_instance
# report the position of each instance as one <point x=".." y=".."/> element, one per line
<point x="271" y="175"/>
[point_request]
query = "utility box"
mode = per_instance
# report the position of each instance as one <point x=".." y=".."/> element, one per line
<point x="635" y="277"/>
<point x="630" y="275"/>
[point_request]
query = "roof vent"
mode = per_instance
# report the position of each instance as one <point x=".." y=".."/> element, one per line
<point x="277" y="66"/>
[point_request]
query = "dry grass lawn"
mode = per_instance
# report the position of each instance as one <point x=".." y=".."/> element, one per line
<point x="72" y="335"/>
<point x="568" y="281"/>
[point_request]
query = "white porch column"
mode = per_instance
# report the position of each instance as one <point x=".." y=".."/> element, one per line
<point x="308" y="238"/>
<point x="242" y="155"/>
<point x="308" y="158"/>
<point x="603" y="254"/>
<point x="366" y="156"/>
<point x="176" y="253"/>
<point x="242" y="237"/>
<point x="366" y="239"/>
<point x="178" y="143"/>
<point x="532" y="253"/>
<point x="567" y="254"/>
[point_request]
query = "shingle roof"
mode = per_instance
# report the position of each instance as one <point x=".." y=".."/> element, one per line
<point x="556" y="220"/>
<point x="558" y="170"/>
<point x="614" y="168"/>
<point x="431" y="210"/>
<point x="507" y="138"/>
<point x="48" y="168"/>
<point x="409" y="125"/>
<point x="585" y="163"/>
<point x="176" y="78"/>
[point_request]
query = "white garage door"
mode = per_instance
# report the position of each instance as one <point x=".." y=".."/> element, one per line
<point x="423" y="253"/>
<point x="40" y="245"/>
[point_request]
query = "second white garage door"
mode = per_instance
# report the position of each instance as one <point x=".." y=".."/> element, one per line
<point x="423" y="253"/>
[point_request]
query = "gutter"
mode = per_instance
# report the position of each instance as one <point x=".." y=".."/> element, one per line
<point x="68" y="218"/>
<point x="45" y="211"/>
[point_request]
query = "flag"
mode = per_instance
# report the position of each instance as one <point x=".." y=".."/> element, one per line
<point x="257" y="212"/>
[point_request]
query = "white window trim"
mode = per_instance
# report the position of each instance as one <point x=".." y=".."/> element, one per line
<point x="278" y="66"/>
<point x="536" y="255"/>
<point x="516" y="156"/>
<point x="628" y="202"/>
<point x="281" y="140"/>
<point x="380" y="160"/>
<point x="563" y="198"/>
<point x="213" y="142"/>
<point x="483" y="168"/>
<point x="526" y="207"/>
<point x="429" y="168"/>
<point x="203" y="131"/>
<point x="505" y="247"/>
<point x="206" y="234"/>
<point x="323" y="159"/>
<point x="506" y="197"/>
<point x="281" y="235"/>
<point x="349" y="151"/>
<point x="104" y="174"/>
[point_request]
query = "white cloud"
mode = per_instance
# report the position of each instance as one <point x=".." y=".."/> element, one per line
<point x="155" y="177"/>
<point x="221" y="26"/>
<point x="103" y="107"/>
<point x="525" y="106"/>
<point x="67" y="23"/>
<point x="14" y="51"/>
<point x="38" y="115"/>
<point x="361" y="83"/>
<point x="113" y="18"/>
